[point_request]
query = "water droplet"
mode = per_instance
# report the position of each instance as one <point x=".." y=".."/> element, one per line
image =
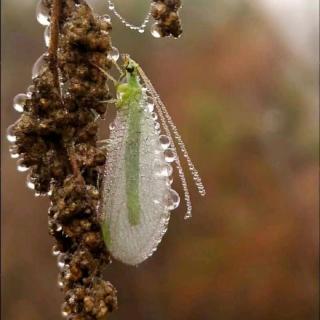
<point x="30" y="184"/>
<point x="47" y="35"/>
<point x="39" y="66"/>
<point x="60" y="281"/>
<point x="141" y="30"/>
<point x="13" y="150"/>
<point x="106" y="18"/>
<point x="19" y="101"/>
<point x="157" y="125"/>
<point x="154" y="116"/>
<point x="43" y="13"/>
<point x="150" y="107"/>
<point x="168" y="170"/>
<point x="164" y="141"/>
<point x="159" y="167"/>
<point x="111" y="6"/>
<point x="112" y="126"/>
<point x="169" y="155"/>
<point x="61" y="261"/>
<point x="170" y="181"/>
<point x="114" y="54"/>
<point x="55" y="250"/>
<point x="30" y="90"/>
<point x="65" y="310"/>
<point x="21" y="166"/>
<point x="172" y="200"/>
<point x="155" y="31"/>
<point x="11" y="136"/>
<point x="162" y="169"/>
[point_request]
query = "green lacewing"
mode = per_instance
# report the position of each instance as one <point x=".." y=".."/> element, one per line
<point x="137" y="195"/>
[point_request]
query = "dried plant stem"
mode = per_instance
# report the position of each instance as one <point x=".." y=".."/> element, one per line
<point x="74" y="165"/>
<point x="54" y="39"/>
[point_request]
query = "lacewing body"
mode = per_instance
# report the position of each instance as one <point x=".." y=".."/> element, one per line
<point x="137" y="196"/>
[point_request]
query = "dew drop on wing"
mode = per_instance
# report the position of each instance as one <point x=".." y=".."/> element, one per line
<point x="172" y="200"/>
<point x="169" y="155"/>
<point x="164" y="141"/>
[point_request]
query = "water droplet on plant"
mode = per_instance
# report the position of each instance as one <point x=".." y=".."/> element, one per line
<point x="172" y="200"/>
<point x="61" y="261"/>
<point x="106" y="18"/>
<point x="30" y="184"/>
<point x="155" y="31"/>
<point x="164" y="141"/>
<point x="114" y="54"/>
<point x="141" y="30"/>
<point x="169" y="155"/>
<point x="13" y="150"/>
<point x="47" y="35"/>
<point x="65" y="310"/>
<point x="43" y="13"/>
<point x="154" y="116"/>
<point x="39" y="66"/>
<point x="19" y="101"/>
<point x="55" y="251"/>
<point x="21" y="166"/>
<point x="111" y="6"/>
<point x="60" y="281"/>
<point x="30" y="90"/>
<point x="11" y="136"/>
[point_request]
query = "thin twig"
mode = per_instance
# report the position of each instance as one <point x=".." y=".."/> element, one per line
<point x="54" y="39"/>
<point x="74" y="166"/>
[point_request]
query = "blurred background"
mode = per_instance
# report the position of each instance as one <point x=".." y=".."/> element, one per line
<point x="242" y="86"/>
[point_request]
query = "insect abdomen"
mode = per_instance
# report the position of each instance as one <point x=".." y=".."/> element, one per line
<point x="132" y="161"/>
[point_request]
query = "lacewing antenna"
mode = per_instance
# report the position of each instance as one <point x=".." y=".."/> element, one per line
<point x="168" y="124"/>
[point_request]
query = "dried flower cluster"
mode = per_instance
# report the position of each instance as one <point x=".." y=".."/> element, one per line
<point x="165" y="12"/>
<point x="56" y="137"/>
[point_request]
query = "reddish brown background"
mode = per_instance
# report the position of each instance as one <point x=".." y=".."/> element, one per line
<point x="245" y="101"/>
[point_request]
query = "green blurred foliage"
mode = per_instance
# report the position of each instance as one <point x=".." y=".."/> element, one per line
<point x="245" y="105"/>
